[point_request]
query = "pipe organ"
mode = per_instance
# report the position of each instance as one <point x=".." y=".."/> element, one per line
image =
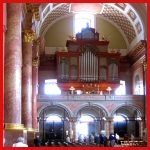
<point x="87" y="61"/>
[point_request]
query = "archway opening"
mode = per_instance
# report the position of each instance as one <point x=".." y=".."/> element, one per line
<point x="83" y="126"/>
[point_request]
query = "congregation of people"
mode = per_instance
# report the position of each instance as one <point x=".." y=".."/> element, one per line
<point x="100" y="140"/>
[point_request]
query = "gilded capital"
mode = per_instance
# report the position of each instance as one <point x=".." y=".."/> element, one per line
<point x="37" y="16"/>
<point x="144" y="65"/>
<point x="35" y="61"/>
<point x="28" y="8"/>
<point x="29" y="36"/>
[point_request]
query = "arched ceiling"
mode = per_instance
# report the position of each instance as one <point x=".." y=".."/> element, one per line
<point x="130" y="19"/>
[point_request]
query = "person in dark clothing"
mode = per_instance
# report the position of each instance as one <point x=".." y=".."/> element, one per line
<point x="105" y="140"/>
<point x="97" y="140"/>
<point x="101" y="140"/>
<point x="37" y="141"/>
<point x="112" y="139"/>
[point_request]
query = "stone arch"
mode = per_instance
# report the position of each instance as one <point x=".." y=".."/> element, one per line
<point x="140" y="113"/>
<point x="59" y="105"/>
<point x="95" y="105"/>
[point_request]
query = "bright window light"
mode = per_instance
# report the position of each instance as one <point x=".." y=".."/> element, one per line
<point x="51" y="87"/>
<point x="118" y="118"/>
<point x="86" y="119"/>
<point x="81" y="21"/>
<point x="53" y="118"/>
<point x="121" y="90"/>
<point x="83" y="128"/>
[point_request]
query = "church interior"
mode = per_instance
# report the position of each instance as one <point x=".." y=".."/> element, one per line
<point x="75" y="69"/>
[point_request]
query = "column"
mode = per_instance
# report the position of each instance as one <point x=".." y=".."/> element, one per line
<point x="141" y="128"/>
<point x="74" y="128"/>
<point x="145" y="92"/>
<point x="70" y="130"/>
<point x="109" y="126"/>
<point x="12" y="74"/>
<point x="12" y="65"/>
<point x="28" y="37"/>
<point x="35" y="64"/>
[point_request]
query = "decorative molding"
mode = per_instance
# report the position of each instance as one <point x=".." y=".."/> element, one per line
<point x="140" y="48"/>
<point x="131" y="15"/>
<point x="121" y="20"/>
<point x="121" y="5"/>
<point x="59" y="12"/>
<point x="14" y="126"/>
<point x="138" y="27"/>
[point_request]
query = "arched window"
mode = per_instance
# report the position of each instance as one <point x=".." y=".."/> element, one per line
<point x="53" y="118"/>
<point x="86" y="119"/>
<point x="81" y="21"/>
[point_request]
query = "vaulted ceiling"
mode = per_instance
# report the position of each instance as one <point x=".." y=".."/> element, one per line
<point x="130" y="19"/>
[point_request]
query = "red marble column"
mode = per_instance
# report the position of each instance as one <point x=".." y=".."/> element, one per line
<point x="27" y="85"/>
<point x="35" y="64"/>
<point x="13" y="64"/>
<point x="28" y="36"/>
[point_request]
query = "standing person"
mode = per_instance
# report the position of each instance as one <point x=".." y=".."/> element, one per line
<point x="20" y="143"/>
<point x="97" y="140"/>
<point x="112" y="139"/>
<point x="92" y="138"/>
<point x="101" y="140"/>
<point x="37" y="141"/>
<point x="68" y="138"/>
<point x="105" y="139"/>
<point x="132" y="137"/>
<point x="117" y="138"/>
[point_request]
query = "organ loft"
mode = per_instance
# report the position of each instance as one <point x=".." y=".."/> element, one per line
<point x="87" y="64"/>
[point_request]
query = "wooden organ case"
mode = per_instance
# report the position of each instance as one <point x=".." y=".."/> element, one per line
<point x="87" y="65"/>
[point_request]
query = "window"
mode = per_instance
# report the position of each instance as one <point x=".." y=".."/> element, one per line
<point x="86" y="119"/>
<point x="81" y="21"/>
<point x="122" y="89"/>
<point x="118" y="118"/>
<point x="53" y="118"/>
<point x="51" y="87"/>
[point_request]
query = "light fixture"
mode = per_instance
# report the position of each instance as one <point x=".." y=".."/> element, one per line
<point x="109" y="89"/>
<point x="72" y="89"/>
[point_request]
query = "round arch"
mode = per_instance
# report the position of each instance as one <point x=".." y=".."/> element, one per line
<point x="59" y="105"/>
<point x="140" y="113"/>
<point x="93" y="105"/>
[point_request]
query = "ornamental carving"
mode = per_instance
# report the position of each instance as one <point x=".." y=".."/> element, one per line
<point x="37" y="16"/>
<point x="29" y="36"/>
<point x="35" y="61"/>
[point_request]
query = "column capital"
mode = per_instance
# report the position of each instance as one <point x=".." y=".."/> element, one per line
<point x="144" y="64"/>
<point x="109" y="119"/>
<point x="29" y="36"/>
<point x="37" y="16"/>
<point x="35" y="61"/>
<point x="73" y="119"/>
<point x="33" y="8"/>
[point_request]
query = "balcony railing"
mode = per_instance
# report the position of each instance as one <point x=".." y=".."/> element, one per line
<point x="95" y="97"/>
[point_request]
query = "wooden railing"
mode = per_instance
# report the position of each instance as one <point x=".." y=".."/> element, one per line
<point x="133" y="144"/>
